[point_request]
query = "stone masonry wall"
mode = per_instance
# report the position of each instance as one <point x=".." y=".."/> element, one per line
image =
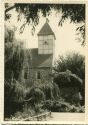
<point x="44" y="75"/>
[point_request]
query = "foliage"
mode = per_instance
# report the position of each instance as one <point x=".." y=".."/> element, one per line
<point x="41" y="92"/>
<point x="61" y="105"/>
<point x="76" y="13"/>
<point x="73" y="62"/>
<point x="14" y="55"/>
<point x="36" y="95"/>
<point x="14" y="91"/>
<point x="70" y="77"/>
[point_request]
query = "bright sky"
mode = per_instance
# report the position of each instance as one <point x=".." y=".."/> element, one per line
<point x="65" y="36"/>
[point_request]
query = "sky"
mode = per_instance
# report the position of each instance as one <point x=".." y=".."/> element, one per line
<point x="66" y="38"/>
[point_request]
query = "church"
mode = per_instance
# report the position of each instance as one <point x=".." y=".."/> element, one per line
<point x="39" y="67"/>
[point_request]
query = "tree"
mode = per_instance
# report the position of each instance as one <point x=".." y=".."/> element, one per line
<point x="14" y="90"/>
<point x="73" y="62"/>
<point x="70" y="72"/>
<point x="76" y="13"/>
<point x="14" y="55"/>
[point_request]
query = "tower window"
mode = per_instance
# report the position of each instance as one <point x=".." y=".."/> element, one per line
<point x="38" y="75"/>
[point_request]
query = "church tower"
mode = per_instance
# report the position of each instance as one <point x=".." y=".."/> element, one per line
<point x="39" y="66"/>
<point x="46" y="40"/>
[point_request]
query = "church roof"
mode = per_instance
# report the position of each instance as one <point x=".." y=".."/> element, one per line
<point x="46" y="30"/>
<point x="40" y="60"/>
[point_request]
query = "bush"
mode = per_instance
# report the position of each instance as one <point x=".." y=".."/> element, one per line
<point x="69" y="75"/>
<point x="40" y="93"/>
<point x="61" y="105"/>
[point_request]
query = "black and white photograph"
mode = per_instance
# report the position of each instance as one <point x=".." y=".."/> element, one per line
<point x="44" y="60"/>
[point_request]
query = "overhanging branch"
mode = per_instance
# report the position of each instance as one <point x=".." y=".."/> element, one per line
<point x="10" y="8"/>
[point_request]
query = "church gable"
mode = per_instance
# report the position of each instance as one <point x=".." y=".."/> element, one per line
<point x="40" y="60"/>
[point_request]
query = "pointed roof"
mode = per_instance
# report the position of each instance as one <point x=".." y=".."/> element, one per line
<point x="40" y="60"/>
<point x="46" y="30"/>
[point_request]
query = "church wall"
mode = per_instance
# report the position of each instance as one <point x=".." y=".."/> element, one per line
<point x="44" y="75"/>
<point x="31" y="75"/>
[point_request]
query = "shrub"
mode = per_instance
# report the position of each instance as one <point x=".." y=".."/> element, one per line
<point x="69" y="75"/>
